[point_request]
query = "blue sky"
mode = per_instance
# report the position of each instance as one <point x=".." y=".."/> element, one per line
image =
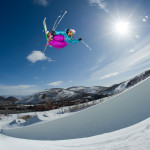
<point x="115" y="56"/>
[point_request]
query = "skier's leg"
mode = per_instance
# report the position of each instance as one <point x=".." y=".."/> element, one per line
<point x="58" y="44"/>
<point x="59" y="38"/>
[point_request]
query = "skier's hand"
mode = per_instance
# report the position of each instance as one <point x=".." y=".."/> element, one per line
<point x="80" y="39"/>
<point x="52" y="32"/>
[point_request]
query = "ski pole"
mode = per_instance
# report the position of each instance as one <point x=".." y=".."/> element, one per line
<point x="86" y="45"/>
<point x="60" y="20"/>
<point x="55" y="22"/>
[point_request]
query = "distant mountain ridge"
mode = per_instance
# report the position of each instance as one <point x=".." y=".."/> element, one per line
<point x="127" y="84"/>
<point x="58" y="94"/>
<point x="2" y="98"/>
<point x="78" y="92"/>
<point x="9" y="99"/>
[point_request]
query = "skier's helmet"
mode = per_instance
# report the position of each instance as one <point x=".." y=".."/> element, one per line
<point x="72" y="31"/>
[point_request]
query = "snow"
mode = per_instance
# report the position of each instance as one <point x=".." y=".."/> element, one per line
<point x="92" y="89"/>
<point x="121" y="87"/>
<point x="122" y="122"/>
<point x="16" y="122"/>
<point x="32" y="120"/>
<point x="65" y="93"/>
<point x="136" y="137"/>
<point x="77" y="88"/>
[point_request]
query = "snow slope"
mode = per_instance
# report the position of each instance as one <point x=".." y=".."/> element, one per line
<point x="136" y="137"/>
<point x="126" y="109"/>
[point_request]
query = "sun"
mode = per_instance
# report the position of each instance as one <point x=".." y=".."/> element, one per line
<point x="122" y="27"/>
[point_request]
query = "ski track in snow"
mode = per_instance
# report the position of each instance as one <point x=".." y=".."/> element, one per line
<point x="135" y="137"/>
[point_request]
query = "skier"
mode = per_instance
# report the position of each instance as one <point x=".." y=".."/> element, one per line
<point x="59" y="39"/>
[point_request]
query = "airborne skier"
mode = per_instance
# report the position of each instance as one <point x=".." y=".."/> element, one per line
<point x="59" y="39"/>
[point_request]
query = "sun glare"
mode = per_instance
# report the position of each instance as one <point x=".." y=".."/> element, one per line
<point x="122" y="27"/>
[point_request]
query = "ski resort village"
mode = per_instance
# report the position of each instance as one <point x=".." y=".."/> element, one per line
<point x="75" y="75"/>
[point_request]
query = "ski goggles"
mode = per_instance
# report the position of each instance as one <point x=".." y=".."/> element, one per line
<point x="71" y="32"/>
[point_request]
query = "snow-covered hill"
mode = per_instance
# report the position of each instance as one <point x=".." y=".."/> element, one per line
<point x="57" y="94"/>
<point x="120" y="87"/>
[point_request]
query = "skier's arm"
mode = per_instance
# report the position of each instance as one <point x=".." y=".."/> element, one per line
<point x="60" y="32"/>
<point x="75" y="41"/>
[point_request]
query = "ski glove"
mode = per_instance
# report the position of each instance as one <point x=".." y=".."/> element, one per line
<point x="52" y="32"/>
<point x="80" y="39"/>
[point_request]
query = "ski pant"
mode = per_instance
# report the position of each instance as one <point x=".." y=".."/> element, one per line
<point x="58" y="41"/>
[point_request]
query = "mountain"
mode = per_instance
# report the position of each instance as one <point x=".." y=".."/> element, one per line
<point x="138" y="78"/>
<point x="79" y="93"/>
<point x="69" y="94"/>
<point x="117" y="88"/>
<point x="2" y="98"/>
<point x="10" y="100"/>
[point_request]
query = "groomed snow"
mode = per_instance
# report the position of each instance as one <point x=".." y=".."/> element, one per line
<point x="136" y="137"/>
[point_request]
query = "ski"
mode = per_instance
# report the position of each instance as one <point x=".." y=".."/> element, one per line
<point x="45" y="27"/>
